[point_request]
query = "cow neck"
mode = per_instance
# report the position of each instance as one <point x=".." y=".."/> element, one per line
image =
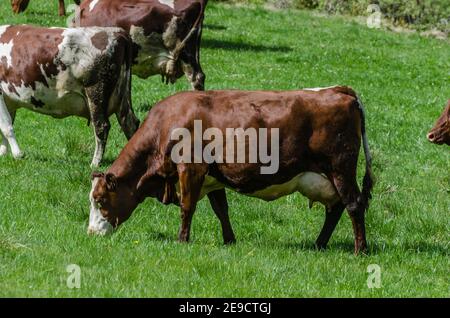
<point x="129" y="167"/>
<point x="133" y="162"/>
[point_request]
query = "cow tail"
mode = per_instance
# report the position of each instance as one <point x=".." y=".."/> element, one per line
<point x="368" y="180"/>
<point x="180" y="46"/>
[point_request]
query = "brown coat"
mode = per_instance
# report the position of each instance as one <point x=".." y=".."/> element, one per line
<point x="167" y="38"/>
<point x="320" y="133"/>
<point x="19" y="6"/>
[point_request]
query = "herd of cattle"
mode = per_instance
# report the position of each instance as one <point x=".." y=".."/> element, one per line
<point x="86" y="71"/>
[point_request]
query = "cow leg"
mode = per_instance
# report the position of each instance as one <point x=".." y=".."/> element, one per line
<point x="3" y="146"/>
<point x="101" y="131"/>
<point x="192" y="68"/>
<point x="218" y="200"/>
<point x="191" y="179"/>
<point x="195" y="76"/>
<point x="348" y="190"/>
<point x="62" y="8"/>
<point x="332" y="217"/>
<point x="6" y="128"/>
<point x="128" y="122"/>
<point x="98" y="108"/>
<point x="125" y="116"/>
<point x="344" y="175"/>
<point x="199" y="80"/>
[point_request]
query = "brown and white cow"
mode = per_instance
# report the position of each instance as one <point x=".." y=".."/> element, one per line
<point x="440" y="133"/>
<point x="166" y="34"/>
<point x="320" y="133"/>
<point x="19" y="6"/>
<point x="84" y="72"/>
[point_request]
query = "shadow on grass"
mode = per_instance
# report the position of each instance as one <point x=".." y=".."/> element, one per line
<point x="373" y="248"/>
<point x="236" y="46"/>
<point x="61" y="160"/>
<point x="215" y="27"/>
<point x="69" y="160"/>
<point x="161" y="237"/>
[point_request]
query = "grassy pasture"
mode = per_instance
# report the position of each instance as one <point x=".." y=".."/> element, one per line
<point x="404" y="81"/>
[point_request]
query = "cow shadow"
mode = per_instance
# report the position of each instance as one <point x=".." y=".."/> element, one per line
<point x="215" y="27"/>
<point x="377" y="248"/>
<point x="240" y="46"/>
<point x="161" y="237"/>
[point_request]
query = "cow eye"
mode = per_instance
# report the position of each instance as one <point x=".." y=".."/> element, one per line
<point x="100" y="202"/>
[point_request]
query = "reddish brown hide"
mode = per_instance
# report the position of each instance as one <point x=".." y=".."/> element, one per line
<point x="19" y="6"/>
<point x="319" y="132"/>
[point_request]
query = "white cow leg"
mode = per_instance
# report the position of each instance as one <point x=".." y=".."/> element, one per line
<point x="101" y="130"/>
<point x="3" y="146"/>
<point x="99" y="151"/>
<point x="6" y="127"/>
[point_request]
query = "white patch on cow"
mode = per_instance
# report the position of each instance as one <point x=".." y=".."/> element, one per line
<point x="315" y="186"/>
<point x="3" y="146"/>
<point x="93" y="4"/>
<point x="7" y="131"/>
<point x="58" y="103"/>
<point x="76" y="50"/>
<point x="318" y="89"/>
<point x="153" y="56"/>
<point x="5" y="48"/>
<point x="3" y="29"/>
<point x="97" y="223"/>
<point x="5" y="52"/>
<point x="170" y="34"/>
<point x="169" y="3"/>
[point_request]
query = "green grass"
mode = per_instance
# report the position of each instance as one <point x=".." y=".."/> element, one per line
<point x="404" y="81"/>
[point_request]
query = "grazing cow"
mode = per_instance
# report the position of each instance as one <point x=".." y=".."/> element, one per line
<point x="19" y="6"/>
<point x="166" y="34"/>
<point x="59" y="72"/>
<point x="440" y="133"/>
<point x="320" y="134"/>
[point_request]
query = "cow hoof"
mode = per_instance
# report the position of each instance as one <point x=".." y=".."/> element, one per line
<point x="19" y="155"/>
<point x="3" y="150"/>
<point x="95" y="164"/>
<point x="230" y="241"/>
<point x="361" y="249"/>
<point x="320" y="246"/>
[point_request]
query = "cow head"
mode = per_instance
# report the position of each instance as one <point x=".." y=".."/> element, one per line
<point x="112" y="203"/>
<point x="19" y="6"/>
<point x="114" y="200"/>
<point x="440" y="133"/>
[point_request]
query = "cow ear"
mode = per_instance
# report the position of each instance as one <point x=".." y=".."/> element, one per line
<point x="111" y="182"/>
<point x="96" y="175"/>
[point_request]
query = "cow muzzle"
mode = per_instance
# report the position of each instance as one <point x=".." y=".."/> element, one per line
<point x="98" y="225"/>
<point x="199" y="82"/>
<point x="437" y="135"/>
<point x="432" y="137"/>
